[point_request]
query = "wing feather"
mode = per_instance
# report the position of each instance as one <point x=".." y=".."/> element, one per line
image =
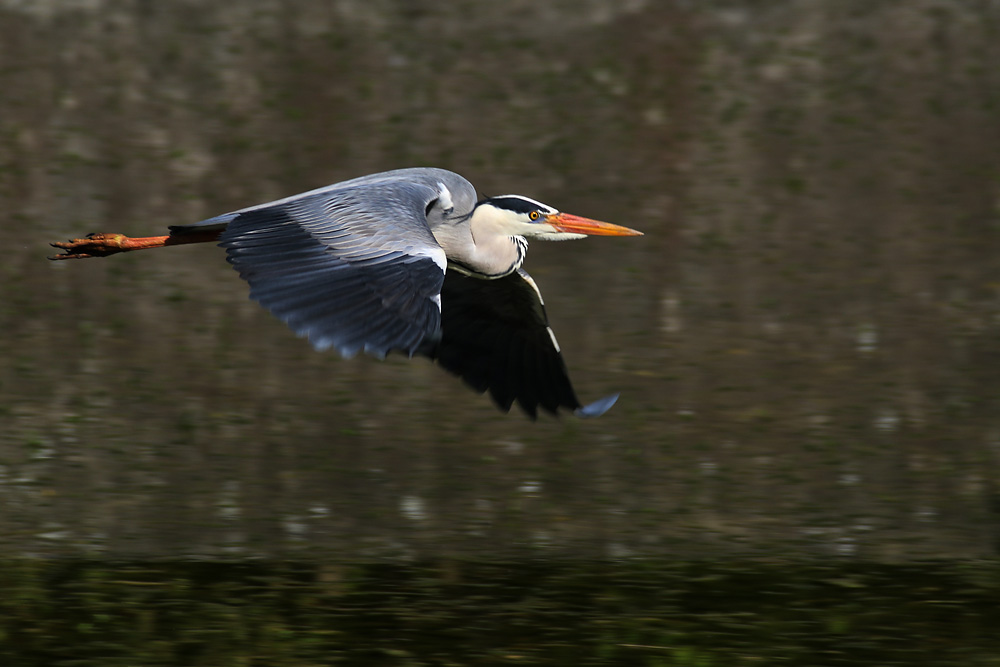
<point x="355" y="268"/>
<point x="495" y="336"/>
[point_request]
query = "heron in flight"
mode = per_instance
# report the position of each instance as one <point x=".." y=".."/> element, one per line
<point x="407" y="260"/>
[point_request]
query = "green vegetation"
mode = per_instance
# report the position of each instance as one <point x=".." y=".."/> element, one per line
<point x="82" y="613"/>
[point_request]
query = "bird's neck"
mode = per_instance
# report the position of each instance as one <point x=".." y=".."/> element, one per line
<point x="494" y="258"/>
<point x="497" y="256"/>
<point x="487" y="250"/>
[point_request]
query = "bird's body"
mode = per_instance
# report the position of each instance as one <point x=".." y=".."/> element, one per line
<point x="406" y="260"/>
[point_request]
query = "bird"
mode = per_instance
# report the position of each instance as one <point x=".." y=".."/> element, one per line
<point x="409" y="260"/>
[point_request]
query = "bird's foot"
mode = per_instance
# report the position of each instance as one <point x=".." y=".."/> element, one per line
<point x="92" y="245"/>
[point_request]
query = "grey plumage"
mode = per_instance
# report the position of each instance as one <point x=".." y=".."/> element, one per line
<point x="408" y="260"/>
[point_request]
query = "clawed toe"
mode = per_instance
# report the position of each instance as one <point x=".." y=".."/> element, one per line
<point x="92" y="245"/>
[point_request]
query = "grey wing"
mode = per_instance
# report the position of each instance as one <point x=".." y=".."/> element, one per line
<point x="495" y="335"/>
<point x="353" y="267"/>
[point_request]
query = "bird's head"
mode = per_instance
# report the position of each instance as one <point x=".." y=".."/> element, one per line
<point x="520" y="216"/>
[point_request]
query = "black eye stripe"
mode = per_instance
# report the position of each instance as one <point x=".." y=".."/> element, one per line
<point x="517" y="204"/>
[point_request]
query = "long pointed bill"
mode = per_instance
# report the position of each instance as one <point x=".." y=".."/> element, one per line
<point x="574" y="224"/>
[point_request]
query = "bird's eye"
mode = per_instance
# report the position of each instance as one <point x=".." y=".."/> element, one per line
<point x="534" y="215"/>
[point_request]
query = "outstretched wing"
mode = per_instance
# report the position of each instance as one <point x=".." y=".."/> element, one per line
<point x="353" y="267"/>
<point x="495" y="335"/>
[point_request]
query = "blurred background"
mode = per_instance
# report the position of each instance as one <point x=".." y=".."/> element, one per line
<point x="807" y="338"/>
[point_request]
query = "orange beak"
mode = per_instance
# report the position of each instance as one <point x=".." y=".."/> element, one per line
<point x="574" y="224"/>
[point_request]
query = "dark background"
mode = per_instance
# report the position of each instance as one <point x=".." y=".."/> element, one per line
<point x="806" y="339"/>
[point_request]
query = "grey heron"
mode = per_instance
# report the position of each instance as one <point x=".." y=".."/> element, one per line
<point x="409" y="260"/>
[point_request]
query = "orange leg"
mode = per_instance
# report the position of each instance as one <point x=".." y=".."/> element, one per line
<point x="102" y="245"/>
